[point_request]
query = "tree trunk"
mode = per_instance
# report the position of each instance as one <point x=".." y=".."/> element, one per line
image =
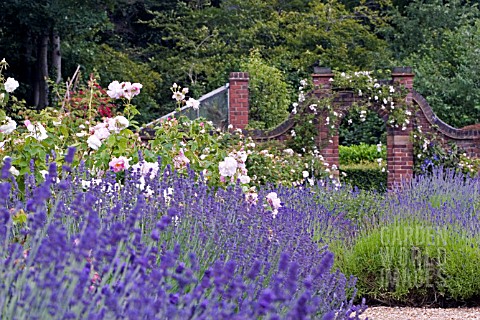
<point x="29" y="56"/>
<point x="56" y="57"/>
<point x="43" y="72"/>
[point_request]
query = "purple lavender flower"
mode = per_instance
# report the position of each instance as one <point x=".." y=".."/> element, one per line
<point x="102" y="252"/>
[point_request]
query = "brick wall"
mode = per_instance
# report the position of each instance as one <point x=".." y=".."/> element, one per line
<point x="400" y="153"/>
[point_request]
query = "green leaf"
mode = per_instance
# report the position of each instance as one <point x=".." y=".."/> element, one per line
<point x="20" y="217"/>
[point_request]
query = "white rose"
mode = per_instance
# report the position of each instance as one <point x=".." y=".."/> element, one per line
<point x="81" y="134"/>
<point x="118" y="123"/>
<point x="9" y="127"/>
<point x="14" y="171"/>
<point x="192" y="103"/>
<point x="144" y="168"/>
<point x="93" y="142"/>
<point x="228" y="167"/>
<point x="102" y="133"/>
<point x="37" y="131"/>
<point x="10" y="85"/>
<point x="244" y="179"/>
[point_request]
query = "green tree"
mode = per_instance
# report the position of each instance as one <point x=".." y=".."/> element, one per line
<point x="269" y="94"/>
<point x="440" y="40"/>
<point x="447" y="75"/>
<point x="33" y="32"/>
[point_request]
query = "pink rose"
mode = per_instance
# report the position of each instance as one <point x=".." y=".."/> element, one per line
<point x="119" y="164"/>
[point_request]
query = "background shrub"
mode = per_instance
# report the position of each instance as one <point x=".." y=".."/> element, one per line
<point x="371" y="131"/>
<point x="269" y="93"/>
<point x="361" y="153"/>
<point x="365" y="176"/>
<point x="363" y="166"/>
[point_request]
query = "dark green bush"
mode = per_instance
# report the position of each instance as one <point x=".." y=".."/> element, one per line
<point x="371" y="131"/>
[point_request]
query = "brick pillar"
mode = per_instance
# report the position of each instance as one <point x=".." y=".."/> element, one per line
<point x="330" y="153"/>
<point x="238" y="100"/>
<point x="321" y="80"/>
<point x="399" y="145"/>
<point x="328" y="145"/>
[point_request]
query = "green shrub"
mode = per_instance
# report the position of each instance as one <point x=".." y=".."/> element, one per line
<point x="361" y="153"/>
<point x="269" y="94"/>
<point x="272" y="162"/>
<point x="411" y="262"/>
<point x="365" y="176"/>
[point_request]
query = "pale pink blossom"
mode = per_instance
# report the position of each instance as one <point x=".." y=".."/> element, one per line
<point x="102" y="133"/>
<point x="131" y="90"/>
<point x="115" y="90"/>
<point x="119" y="164"/>
<point x="180" y="161"/>
<point x="273" y="200"/>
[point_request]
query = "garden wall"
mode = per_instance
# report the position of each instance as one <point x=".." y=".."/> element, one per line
<point x="400" y="154"/>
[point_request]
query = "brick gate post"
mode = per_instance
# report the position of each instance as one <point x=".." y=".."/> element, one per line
<point x="399" y="144"/>
<point x="328" y="146"/>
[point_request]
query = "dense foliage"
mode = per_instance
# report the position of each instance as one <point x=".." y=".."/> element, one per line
<point x="362" y="153"/>
<point x="364" y="176"/>
<point x="199" y="42"/>
<point x="269" y="96"/>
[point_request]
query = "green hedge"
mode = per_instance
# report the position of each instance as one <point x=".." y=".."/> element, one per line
<point x="361" y="153"/>
<point x="366" y="176"/>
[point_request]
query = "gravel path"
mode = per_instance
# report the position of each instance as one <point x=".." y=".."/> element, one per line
<point x="389" y="313"/>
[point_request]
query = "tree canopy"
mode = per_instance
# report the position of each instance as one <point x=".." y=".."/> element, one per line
<point x="198" y="42"/>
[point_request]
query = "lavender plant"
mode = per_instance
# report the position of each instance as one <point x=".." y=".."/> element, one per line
<point x="422" y="247"/>
<point x="95" y="249"/>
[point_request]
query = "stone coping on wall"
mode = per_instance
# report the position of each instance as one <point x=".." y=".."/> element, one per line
<point x="278" y="131"/>
<point x="446" y="129"/>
